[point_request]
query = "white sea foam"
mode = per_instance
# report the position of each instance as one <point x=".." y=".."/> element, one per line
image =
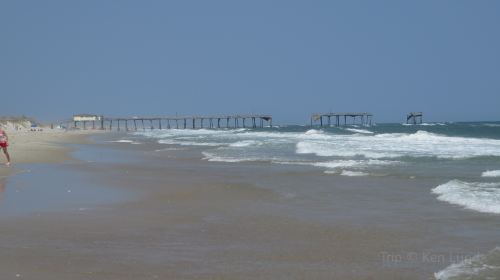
<point x="245" y="143"/>
<point x="279" y="146"/>
<point x="391" y="145"/>
<point x="353" y="163"/>
<point x="491" y="173"/>
<point x="341" y="149"/>
<point x="313" y="132"/>
<point x="419" y="144"/>
<point x="492" y="124"/>
<point x="423" y="124"/>
<point x="353" y="173"/>
<point x="363" y="131"/>
<point x="122" y="141"/>
<point x="428" y="124"/>
<point x="338" y="164"/>
<point x="482" y="197"/>
<point x="213" y="157"/>
<point x="126" y="141"/>
<point x="481" y="266"/>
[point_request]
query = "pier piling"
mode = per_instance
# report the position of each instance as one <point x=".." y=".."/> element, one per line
<point x="414" y="118"/>
<point x="214" y="122"/>
<point x="365" y="119"/>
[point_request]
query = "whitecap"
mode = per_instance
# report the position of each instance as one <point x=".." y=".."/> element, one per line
<point x="338" y="163"/>
<point x="362" y="131"/>
<point x="245" y="143"/>
<point x="353" y="163"/>
<point x="393" y="145"/>
<point x="313" y="131"/>
<point x="342" y="149"/>
<point x="125" y="141"/>
<point x="353" y="173"/>
<point x="491" y="173"/>
<point x="121" y="141"/>
<point x="217" y="158"/>
<point x="492" y="124"/>
<point x="482" y="197"/>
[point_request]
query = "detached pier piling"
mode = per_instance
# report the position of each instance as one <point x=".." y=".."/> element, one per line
<point x="414" y="118"/>
<point x="339" y="119"/>
<point x="184" y="122"/>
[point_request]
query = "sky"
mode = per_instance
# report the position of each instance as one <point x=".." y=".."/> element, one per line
<point x="285" y="58"/>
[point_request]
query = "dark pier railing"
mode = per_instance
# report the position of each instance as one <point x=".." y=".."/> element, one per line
<point x="341" y="119"/>
<point x="178" y="122"/>
<point x="414" y="118"/>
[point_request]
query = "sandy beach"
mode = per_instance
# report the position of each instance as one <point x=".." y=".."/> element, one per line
<point x="47" y="146"/>
<point x="179" y="226"/>
<point x="110" y="209"/>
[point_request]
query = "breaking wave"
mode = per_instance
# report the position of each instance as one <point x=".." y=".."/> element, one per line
<point x="329" y="148"/>
<point x="393" y="145"/>
<point x="482" y="197"/>
<point x="492" y="173"/>
<point x="482" y="266"/>
<point x="362" y="131"/>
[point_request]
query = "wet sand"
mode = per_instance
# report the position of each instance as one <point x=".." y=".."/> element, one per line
<point x="193" y="219"/>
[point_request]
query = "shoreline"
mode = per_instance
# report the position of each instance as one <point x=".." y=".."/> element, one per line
<point x="195" y="219"/>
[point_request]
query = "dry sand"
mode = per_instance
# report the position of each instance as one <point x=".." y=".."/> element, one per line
<point x="45" y="146"/>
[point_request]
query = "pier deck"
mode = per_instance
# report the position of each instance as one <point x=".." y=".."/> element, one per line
<point x="177" y="122"/>
<point x="364" y="119"/>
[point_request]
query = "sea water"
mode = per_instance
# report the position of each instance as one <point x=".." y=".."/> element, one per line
<point x="468" y="154"/>
<point x="464" y="157"/>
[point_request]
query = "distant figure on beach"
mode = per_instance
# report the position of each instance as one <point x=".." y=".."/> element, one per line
<point x="4" y="143"/>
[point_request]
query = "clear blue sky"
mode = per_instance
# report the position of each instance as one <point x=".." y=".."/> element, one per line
<point x="286" y="58"/>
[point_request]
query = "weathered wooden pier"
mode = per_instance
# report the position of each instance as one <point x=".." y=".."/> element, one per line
<point x="177" y="122"/>
<point x="414" y="118"/>
<point x="339" y="119"/>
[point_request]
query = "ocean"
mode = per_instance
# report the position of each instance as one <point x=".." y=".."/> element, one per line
<point x="463" y="152"/>
<point x="419" y="173"/>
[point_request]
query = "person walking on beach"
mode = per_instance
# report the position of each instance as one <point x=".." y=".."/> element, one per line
<point x="4" y="143"/>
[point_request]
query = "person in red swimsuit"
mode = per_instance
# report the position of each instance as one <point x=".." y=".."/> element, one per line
<point x="4" y="143"/>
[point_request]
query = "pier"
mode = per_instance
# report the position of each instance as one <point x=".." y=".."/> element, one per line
<point x="338" y="119"/>
<point x="177" y="122"/>
<point x="414" y="118"/>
